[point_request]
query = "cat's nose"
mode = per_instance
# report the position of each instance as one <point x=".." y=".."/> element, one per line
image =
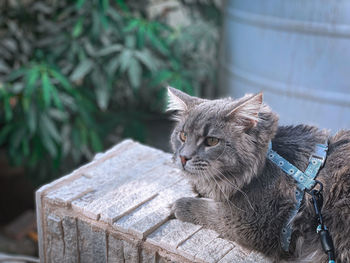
<point x="184" y="160"/>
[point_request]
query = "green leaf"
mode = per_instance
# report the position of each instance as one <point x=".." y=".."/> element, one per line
<point x="25" y="103"/>
<point x="7" y="108"/>
<point x="105" y="5"/>
<point x="81" y="70"/>
<point x="47" y="88"/>
<point x="112" y="66"/>
<point x="69" y="102"/>
<point x="141" y="37"/>
<point x="80" y="3"/>
<point x="16" y="74"/>
<point x="114" y="14"/>
<point x="49" y="144"/>
<point x="132" y="25"/>
<point x="56" y="99"/>
<point x="78" y="28"/>
<point x="124" y="59"/>
<point x="83" y="134"/>
<point x="96" y="21"/>
<point x="50" y="127"/>
<point x="101" y="90"/>
<point x="95" y="141"/>
<point x="66" y="141"/>
<point x="130" y="41"/>
<point x="102" y="97"/>
<point x="32" y="76"/>
<point x="104" y="19"/>
<point x="146" y="58"/>
<point x="158" y="43"/>
<point x="32" y="119"/>
<point x="58" y="115"/>
<point x="109" y="50"/>
<point x="61" y="79"/>
<point x="135" y="73"/>
<point x="122" y="5"/>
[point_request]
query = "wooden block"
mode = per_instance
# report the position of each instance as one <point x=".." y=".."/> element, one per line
<point x="214" y="250"/>
<point x="196" y="243"/>
<point x="116" y="209"/>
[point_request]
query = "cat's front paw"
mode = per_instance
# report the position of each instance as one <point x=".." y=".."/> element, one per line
<point x="183" y="209"/>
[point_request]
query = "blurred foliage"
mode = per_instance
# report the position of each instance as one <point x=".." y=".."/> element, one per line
<point x="73" y="71"/>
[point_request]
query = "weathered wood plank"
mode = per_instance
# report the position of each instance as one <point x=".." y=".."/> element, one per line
<point x="235" y="255"/>
<point x="144" y="219"/>
<point x="148" y="256"/>
<point x="115" y="250"/>
<point x="196" y="243"/>
<point x="111" y="203"/>
<point x="257" y="257"/>
<point x="131" y="252"/>
<point x="71" y="191"/>
<point x="171" y="234"/>
<point x="54" y="239"/>
<point x="84" y="241"/>
<point x="70" y="239"/>
<point x="99" y="248"/>
<point x="149" y="223"/>
<point x="214" y="250"/>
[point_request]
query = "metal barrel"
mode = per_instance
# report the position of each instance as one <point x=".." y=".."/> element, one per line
<point x="297" y="52"/>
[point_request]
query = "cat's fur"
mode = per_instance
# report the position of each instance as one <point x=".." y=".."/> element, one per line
<point x="245" y="197"/>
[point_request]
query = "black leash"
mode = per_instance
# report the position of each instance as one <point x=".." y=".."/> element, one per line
<point x="322" y="231"/>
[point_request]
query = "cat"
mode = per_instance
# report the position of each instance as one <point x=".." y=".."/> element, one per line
<point x="221" y="147"/>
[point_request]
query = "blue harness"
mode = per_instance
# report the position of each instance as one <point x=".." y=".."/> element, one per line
<point x="305" y="181"/>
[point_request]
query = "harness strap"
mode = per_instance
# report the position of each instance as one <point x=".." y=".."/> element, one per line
<point x="305" y="181"/>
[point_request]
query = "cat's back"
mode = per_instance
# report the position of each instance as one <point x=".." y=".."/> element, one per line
<point x="336" y="171"/>
<point x="339" y="150"/>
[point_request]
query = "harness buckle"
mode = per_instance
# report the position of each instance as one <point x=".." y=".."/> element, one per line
<point x="320" y="153"/>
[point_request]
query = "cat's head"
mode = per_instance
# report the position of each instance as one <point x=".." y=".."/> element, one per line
<point x="223" y="137"/>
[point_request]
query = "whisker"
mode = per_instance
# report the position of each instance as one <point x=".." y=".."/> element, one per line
<point x="229" y="202"/>
<point x="234" y="186"/>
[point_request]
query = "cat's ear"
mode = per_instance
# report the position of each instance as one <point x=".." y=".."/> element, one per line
<point x="180" y="101"/>
<point x="246" y="113"/>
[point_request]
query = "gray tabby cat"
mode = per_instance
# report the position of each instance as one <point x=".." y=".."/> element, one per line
<point x="221" y="146"/>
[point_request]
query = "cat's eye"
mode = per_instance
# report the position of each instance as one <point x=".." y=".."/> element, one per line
<point x="211" y="141"/>
<point x="183" y="136"/>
